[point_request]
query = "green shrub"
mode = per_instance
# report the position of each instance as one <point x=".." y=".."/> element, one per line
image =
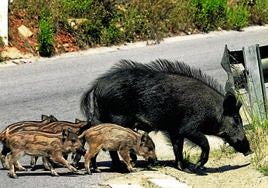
<point x="237" y="17"/>
<point x="258" y="13"/>
<point x="77" y="8"/>
<point x="111" y="35"/>
<point x="180" y="17"/>
<point x="134" y="22"/>
<point x="90" y="32"/>
<point x="45" y="35"/>
<point x="209" y="14"/>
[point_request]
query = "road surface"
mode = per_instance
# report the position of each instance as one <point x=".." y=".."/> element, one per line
<point x="55" y="86"/>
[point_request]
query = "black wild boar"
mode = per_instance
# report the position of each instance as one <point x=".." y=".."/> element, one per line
<point x="38" y="143"/>
<point x="111" y="137"/>
<point x="167" y="96"/>
<point x="23" y="125"/>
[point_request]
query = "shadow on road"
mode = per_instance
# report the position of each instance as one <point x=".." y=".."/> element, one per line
<point x="201" y="171"/>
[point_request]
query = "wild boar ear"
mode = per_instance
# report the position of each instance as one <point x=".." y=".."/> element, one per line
<point x="238" y="105"/>
<point x="144" y="137"/>
<point x="77" y="120"/>
<point x="53" y="118"/>
<point x="44" y="117"/>
<point x="229" y="104"/>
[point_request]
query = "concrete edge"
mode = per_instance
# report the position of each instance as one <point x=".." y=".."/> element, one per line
<point x="145" y="179"/>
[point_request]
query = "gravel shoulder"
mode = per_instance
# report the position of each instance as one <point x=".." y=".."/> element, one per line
<point x="223" y="169"/>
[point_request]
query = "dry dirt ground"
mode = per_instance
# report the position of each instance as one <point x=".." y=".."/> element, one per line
<point x="232" y="171"/>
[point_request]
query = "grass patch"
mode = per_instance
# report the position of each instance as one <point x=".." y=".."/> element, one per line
<point x="258" y="137"/>
<point x="257" y="133"/>
<point x="45" y="35"/>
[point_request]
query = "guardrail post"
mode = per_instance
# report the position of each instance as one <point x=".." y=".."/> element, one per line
<point x="255" y="80"/>
<point x="248" y="69"/>
<point x="4" y="21"/>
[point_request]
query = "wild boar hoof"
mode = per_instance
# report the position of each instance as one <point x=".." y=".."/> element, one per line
<point x="5" y="166"/>
<point x="73" y="169"/>
<point x="22" y="169"/>
<point x="97" y="170"/>
<point x="54" y="173"/>
<point x="181" y="165"/>
<point x="13" y="176"/>
<point x="88" y="172"/>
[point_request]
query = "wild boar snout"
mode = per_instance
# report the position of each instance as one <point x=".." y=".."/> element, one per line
<point x="248" y="152"/>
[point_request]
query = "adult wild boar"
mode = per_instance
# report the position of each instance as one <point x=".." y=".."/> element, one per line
<point x="167" y="96"/>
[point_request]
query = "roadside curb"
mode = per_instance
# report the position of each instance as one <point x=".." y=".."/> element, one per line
<point x="145" y="179"/>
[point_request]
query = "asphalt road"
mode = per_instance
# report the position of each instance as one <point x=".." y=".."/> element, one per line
<point x="55" y="86"/>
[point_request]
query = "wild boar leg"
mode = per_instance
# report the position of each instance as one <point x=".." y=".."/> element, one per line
<point x="177" y="142"/>
<point x="126" y="158"/>
<point x="88" y="156"/>
<point x="33" y="162"/>
<point x="50" y="166"/>
<point x="115" y="158"/>
<point x="19" y="166"/>
<point x="3" y="154"/>
<point x="57" y="157"/>
<point x="12" y="160"/>
<point x="3" y="161"/>
<point x="200" y="139"/>
<point x="46" y="163"/>
<point x="94" y="163"/>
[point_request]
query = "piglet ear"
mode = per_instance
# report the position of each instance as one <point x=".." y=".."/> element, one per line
<point x="230" y="104"/>
<point x="65" y="134"/>
<point x="77" y="120"/>
<point x="53" y="118"/>
<point x="44" y="117"/>
<point x="144" y="137"/>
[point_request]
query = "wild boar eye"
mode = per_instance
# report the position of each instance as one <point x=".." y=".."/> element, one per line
<point x="73" y="141"/>
<point x="237" y="120"/>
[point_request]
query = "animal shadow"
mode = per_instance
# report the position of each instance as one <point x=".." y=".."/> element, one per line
<point x="190" y="168"/>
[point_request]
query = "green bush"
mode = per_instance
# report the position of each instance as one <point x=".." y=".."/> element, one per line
<point x="111" y="35"/>
<point x="90" y="32"/>
<point x="209" y="15"/>
<point x="111" y="22"/>
<point x="237" y="17"/>
<point x="258" y="13"/>
<point x="45" y="35"/>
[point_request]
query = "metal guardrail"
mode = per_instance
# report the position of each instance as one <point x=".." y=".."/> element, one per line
<point x="248" y="69"/>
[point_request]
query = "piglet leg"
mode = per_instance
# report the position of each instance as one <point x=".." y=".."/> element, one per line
<point x="126" y="157"/>
<point x="12" y="160"/>
<point x="50" y="166"/>
<point x="59" y="159"/>
<point x="3" y="161"/>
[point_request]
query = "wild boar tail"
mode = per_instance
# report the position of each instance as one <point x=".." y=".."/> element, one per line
<point x="89" y="105"/>
<point x="82" y="135"/>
